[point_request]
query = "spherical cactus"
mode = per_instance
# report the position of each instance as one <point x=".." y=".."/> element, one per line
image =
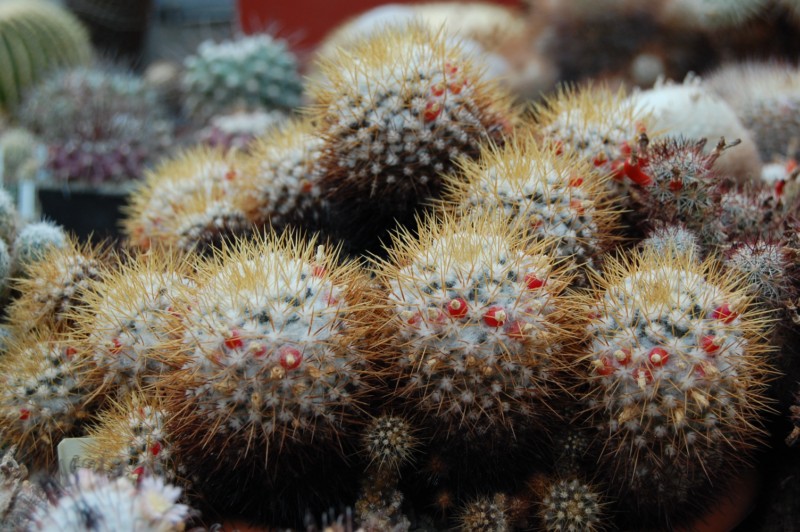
<point x="270" y="360"/>
<point x="752" y="212"/>
<point x="379" y="507"/>
<point x="766" y="270"/>
<point x="569" y="505"/>
<point x="44" y="395"/>
<point x="253" y="72"/>
<point x="99" y="125"/>
<point x="555" y="196"/>
<point x="475" y="328"/>
<point x="281" y="179"/>
<point x="679" y="185"/>
<point x="8" y="217"/>
<point x="764" y="96"/>
<point x="601" y="126"/>
<point x="35" y="240"/>
<point x="709" y="14"/>
<point x="188" y="202"/>
<point x="128" y="323"/>
<point x="18" y="146"/>
<point x="94" y="502"/>
<point x="396" y="112"/>
<point x="485" y="514"/>
<point x="130" y="439"/>
<point x="50" y="288"/>
<point x="389" y="443"/>
<point x="693" y="111"/>
<point x="38" y="37"/>
<point x="235" y="131"/>
<point x="675" y="365"/>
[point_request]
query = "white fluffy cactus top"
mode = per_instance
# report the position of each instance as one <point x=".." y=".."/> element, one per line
<point x="187" y="202"/>
<point x="398" y="109"/>
<point x="554" y="195"/>
<point x="674" y="359"/>
<point x="35" y="240"/>
<point x="128" y="325"/>
<point x="44" y="394"/>
<point x="476" y="324"/>
<point x="253" y="72"/>
<point x="93" y="502"/>
<point x="281" y="179"/>
<point x="269" y="345"/>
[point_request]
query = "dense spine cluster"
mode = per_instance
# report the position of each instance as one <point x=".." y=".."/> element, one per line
<point x="570" y="505"/>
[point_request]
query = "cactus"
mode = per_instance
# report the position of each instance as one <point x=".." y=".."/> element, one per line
<point x="665" y="238"/>
<point x="475" y="328"/>
<point x="555" y="196"/>
<point x="271" y="365"/>
<point x="235" y="131"/>
<point x="50" y="288"/>
<point x="18" y="146"/>
<point x="34" y="241"/>
<point x="710" y="14"/>
<point x="752" y="212"/>
<point x="130" y="439"/>
<point x="675" y="364"/>
<point x="99" y="125"/>
<point x="395" y="113"/>
<point x="5" y="265"/>
<point x="281" y="179"/>
<point x="9" y="221"/>
<point x="94" y="502"/>
<point x="389" y="443"/>
<point x="765" y="268"/>
<point x="18" y="495"/>
<point x="764" y="96"/>
<point x="44" y="395"/>
<point x="254" y="72"/>
<point x="129" y="324"/>
<point x="485" y="514"/>
<point x="38" y="37"/>
<point x="568" y="504"/>
<point x="188" y="202"/>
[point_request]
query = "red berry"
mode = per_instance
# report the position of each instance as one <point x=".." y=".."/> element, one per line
<point x="438" y="89"/>
<point x="290" y="357"/>
<point x="709" y="344"/>
<point x="495" y="317"/>
<point x="643" y="373"/>
<point x="625" y="148"/>
<point x="779" y="186"/>
<point x="457" y="307"/>
<point x="605" y="367"/>
<point x="415" y="319"/>
<point x="675" y="185"/>
<point x="117" y="346"/>
<point x="599" y="159"/>
<point x="230" y="175"/>
<point x="533" y="282"/>
<point x="724" y="313"/>
<point x="635" y="174"/>
<point x="138" y="472"/>
<point x="575" y="181"/>
<point x="234" y="341"/>
<point x="432" y="111"/>
<point x="70" y="352"/>
<point x="622" y="356"/>
<point x="24" y="414"/>
<point x="455" y="88"/>
<point x="618" y="170"/>
<point x="259" y="351"/>
<point x="699" y="370"/>
<point x="658" y="356"/>
<point x="517" y="330"/>
<point x="155" y="449"/>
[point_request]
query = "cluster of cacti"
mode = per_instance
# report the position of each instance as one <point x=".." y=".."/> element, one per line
<point x="38" y="37"/>
<point x="252" y="73"/>
<point x="99" y="125"/>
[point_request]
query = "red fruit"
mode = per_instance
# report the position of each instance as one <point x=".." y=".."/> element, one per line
<point x="533" y="282"/>
<point x="117" y="346"/>
<point x="290" y="357"/>
<point x="605" y="367"/>
<point x="617" y="170"/>
<point x="438" y="89"/>
<point x="24" y="414"/>
<point x="450" y="68"/>
<point x="622" y="356"/>
<point x="600" y="159"/>
<point x="155" y="449"/>
<point x="455" y="88"/>
<point x="260" y="351"/>
<point x="577" y="205"/>
<point x="234" y="341"/>
<point x="675" y="185"/>
<point x="457" y="307"/>
<point x="709" y="344"/>
<point x="779" y="186"/>
<point x="495" y="317"/>
<point x="635" y="174"/>
<point x="724" y="313"/>
<point x="625" y="148"/>
<point x="70" y="352"/>
<point x="643" y="373"/>
<point x="516" y="330"/>
<point x="230" y="175"/>
<point x="138" y="472"/>
<point x="415" y="319"/>
<point x="658" y="356"/>
<point x="432" y="111"/>
<point x="575" y="181"/>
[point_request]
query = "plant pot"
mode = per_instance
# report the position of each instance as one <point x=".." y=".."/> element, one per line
<point x="90" y="212"/>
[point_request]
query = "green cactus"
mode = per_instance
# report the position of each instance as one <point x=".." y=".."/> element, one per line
<point x="37" y="37"/>
<point x="18" y="146"/>
<point x="252" y="72"/>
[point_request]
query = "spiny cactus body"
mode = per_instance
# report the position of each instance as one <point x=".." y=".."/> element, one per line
<point x="553" y="195"/>
<point x="475" y="325"/>
<point x="9" y="220"/>
<point x="35" y="241"/>
<point x="253" y="72"/>
<point x="235" y="131"/>
<point x="765" y="268"/>
<point x="188" y="202"/>
<point x="569" y="505"/>
<point x="674" y="361"/>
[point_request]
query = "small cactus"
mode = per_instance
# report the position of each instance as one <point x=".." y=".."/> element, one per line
<point x="35" y="241"/>
<point x="475" y="326"/>
<point x="253" y="72"/>
<point x="389" y="443"/>
<point x="485" y="514"/>
<point x="18" y="146"/>
<point x="666" y="238"/>
<point x="188" y="203"/>
<point x="92" y="501"/>
<point x="9" y="221"/>
<point x="764" y="268"/>
<point x="44" y="395"/>
<point x="38" y="37"/>
<point x="674" y="361"/>
<point x="235" y="131"/>
<point x="569" y="505"/>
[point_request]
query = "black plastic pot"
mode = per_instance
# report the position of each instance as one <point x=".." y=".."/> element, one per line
<point x="87" y="212"/>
